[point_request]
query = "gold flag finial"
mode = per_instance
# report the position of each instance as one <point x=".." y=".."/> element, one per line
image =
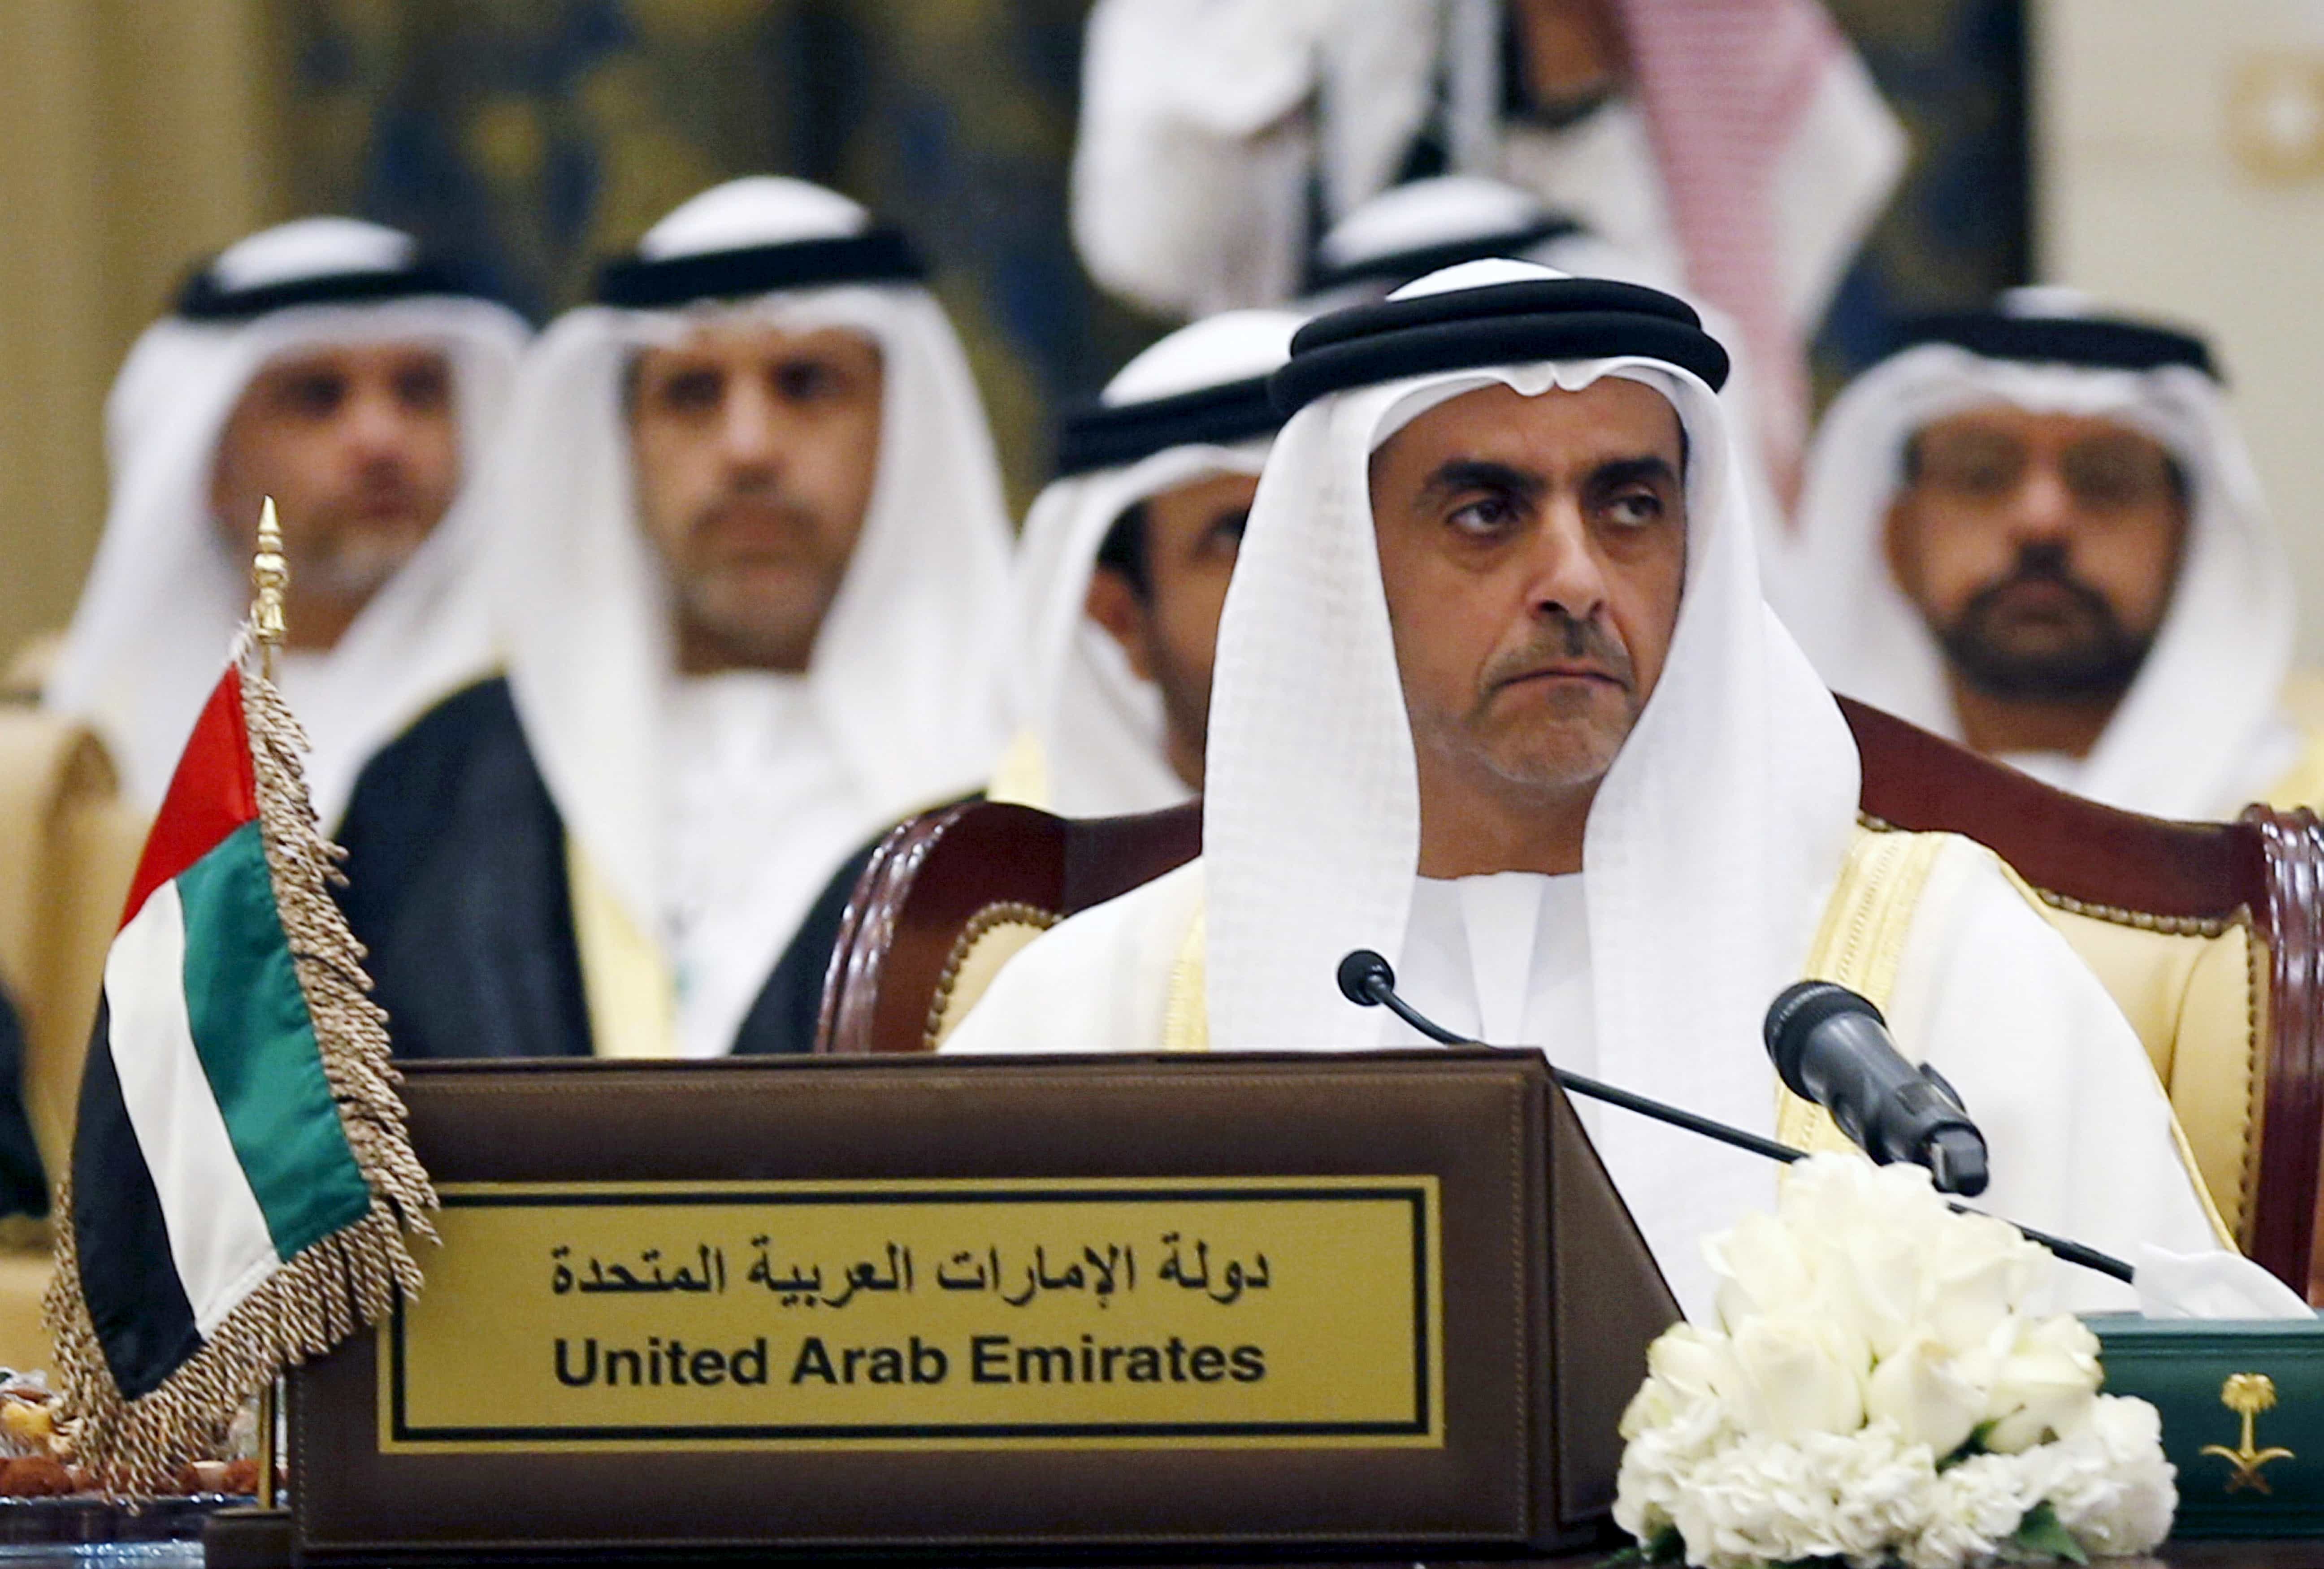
<point x="270" y="575"/>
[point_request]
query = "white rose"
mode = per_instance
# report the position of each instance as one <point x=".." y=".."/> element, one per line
<point x="1683" y="1368"/>
<point x="1688" y="1359"/>
<point x="1877" y="1274"/>
<point x="2046" y="1384"/>
<point x="1789" y="1377"/>
<point x="1977" y="1272"/>
<point x="1918" y="1386"/>
<point x="1760" y="1270"/>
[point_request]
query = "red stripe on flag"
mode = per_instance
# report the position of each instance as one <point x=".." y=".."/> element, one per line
<point x="210" y="795"/>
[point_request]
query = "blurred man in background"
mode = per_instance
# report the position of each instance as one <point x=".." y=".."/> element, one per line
<point x="327" y="364"/>
<point x="1741" y="149"/>
<point x="1124" y="568"/>
<point x="750" y="581"/>
<point x="2037" y="532"/>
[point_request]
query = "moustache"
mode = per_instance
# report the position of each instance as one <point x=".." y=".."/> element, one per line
<point x="2044" y="566"/>
<point x="1563" y="640"/>
<point x="756" y="509"/>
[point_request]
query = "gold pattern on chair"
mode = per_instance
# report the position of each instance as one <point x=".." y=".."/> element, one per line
<point x="993" y="936"/>
<point x="2196" y="994"/>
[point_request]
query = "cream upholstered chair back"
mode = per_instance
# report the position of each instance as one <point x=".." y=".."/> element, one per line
<point x="2209" y="937"/>
<point x="67" y="849"/>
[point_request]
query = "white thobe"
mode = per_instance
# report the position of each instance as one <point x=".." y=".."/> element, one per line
<point x="759" y="814"/>
<point x="2079" y="1132"/>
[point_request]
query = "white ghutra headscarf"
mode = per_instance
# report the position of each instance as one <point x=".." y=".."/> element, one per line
<point x="166" y="593"/>
<point x="1713" y="842"/>
<point x="903" y="673"/>
<point x="2198" y="733"/>
<point x="1190" y="407"/>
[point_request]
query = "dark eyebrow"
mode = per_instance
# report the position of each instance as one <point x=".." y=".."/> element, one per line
<point x="1463" y="473"/>
<point x="1625" y="471"/>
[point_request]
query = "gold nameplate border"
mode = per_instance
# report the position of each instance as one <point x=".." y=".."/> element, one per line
<point x="398" y="1432"/>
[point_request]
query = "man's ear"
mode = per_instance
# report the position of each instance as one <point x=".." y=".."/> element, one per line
<point x="1116" y="606"/>
<point x="1901" y="546"/>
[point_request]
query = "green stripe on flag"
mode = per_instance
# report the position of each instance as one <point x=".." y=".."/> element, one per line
<point x="257" y="1047"/>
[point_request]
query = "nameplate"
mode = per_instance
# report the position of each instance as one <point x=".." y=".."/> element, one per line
<point x="1279" y="1313"/>
<point x="1380" y="1305"/>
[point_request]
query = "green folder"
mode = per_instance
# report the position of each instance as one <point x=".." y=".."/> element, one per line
<point x="2243" y="1417"/>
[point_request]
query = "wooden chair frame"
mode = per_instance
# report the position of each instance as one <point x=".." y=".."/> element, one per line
<point x="931" y="877"/>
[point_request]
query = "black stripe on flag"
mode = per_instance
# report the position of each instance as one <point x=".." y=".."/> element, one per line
<point x="128" y="1275"/>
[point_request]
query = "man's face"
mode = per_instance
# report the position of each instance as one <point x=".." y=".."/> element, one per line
<point x="360" y="448"/>
<point x="1534" y="550"/>
<point x="755" y="452"/>
<point x="1170" y="629"/>
<point x="2040" y="547"/>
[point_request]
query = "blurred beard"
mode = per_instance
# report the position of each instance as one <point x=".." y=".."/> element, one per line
<point x="763" y="625"/>
<point x="358" y="561"/>
<point x="2099" y="661"/>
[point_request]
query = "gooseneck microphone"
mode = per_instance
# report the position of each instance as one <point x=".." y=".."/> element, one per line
<point x="1831" y="1046"/>
<point x="1368" y="981"/>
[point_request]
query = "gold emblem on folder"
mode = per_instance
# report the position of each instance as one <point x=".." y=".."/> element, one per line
<point x="2247" y="1394"/>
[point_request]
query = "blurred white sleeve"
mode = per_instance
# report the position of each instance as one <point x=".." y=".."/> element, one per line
<point x="1192" y="162"/>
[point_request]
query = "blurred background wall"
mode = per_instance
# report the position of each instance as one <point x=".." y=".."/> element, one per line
<point x="538" y="135"/>
<point x="2181" y="169"/>
<point x="133" y="135"/>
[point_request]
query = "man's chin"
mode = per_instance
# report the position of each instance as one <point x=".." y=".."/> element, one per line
<point x="1559" y="758"/>
<point x="765" y="625"/>
<point x="358" y="569"/>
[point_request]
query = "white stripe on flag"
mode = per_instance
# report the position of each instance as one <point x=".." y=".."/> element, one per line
<point x="217" y="1234"/>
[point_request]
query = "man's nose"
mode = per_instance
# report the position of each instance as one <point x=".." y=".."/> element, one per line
<point x="379" y="427"/>
<point x="1565" y="572"/>
<point x="749" y="428"/>
<point x="2044" y="510"/>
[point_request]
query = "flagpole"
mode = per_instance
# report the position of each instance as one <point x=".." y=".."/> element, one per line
<point x="269" y="1475"/>
<point x="270" y="576"/>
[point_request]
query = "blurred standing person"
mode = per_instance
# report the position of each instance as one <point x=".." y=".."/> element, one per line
<point x="1739" y="147"/>
<point x="750" y="582"/>
<point x="328" y="363"/>
<point x="2037" y="530"/>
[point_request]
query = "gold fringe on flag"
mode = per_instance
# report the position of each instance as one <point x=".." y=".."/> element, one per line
<point x="345" y="1281"/>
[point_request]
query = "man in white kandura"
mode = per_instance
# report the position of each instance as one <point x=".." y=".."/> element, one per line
<point x="750" y="577"/>
<point x="2036" y="531"/>
<point x="1124" y="566"/>
<point x="1497" y="696"/>
<point x="328" y="363"/>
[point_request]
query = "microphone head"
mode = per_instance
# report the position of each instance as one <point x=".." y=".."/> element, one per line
<point x="1359" y="972"/>
<point x="1796" y="1012"/>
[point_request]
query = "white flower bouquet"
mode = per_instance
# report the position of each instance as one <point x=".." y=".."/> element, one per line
<point x="1877" y="1394"/>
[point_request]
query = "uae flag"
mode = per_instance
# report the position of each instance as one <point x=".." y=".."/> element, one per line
<point x="242" y="1182"/>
